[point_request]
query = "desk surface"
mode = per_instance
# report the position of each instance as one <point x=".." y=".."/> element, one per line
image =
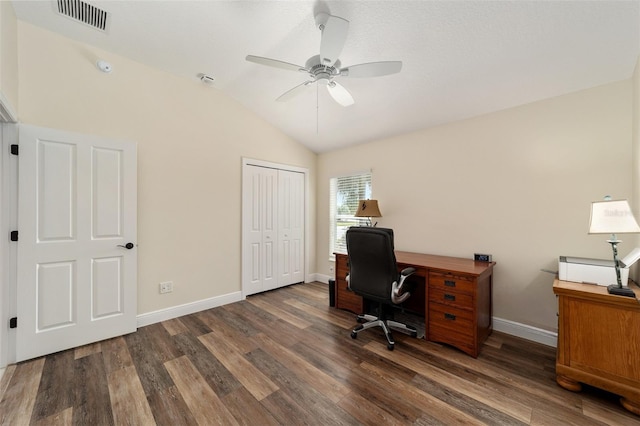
<point x="443" y="263"/>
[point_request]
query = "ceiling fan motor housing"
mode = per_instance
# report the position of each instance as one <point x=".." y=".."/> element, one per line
<point x="320" y="72"/>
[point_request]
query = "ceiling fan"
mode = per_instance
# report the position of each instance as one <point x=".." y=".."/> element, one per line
<point x="326" y="66"/>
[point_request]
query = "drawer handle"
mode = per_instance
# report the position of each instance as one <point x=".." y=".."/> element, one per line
<point x="449" y="283"/>
<point x="451" y="297"/>
<point x="451" y="317"/>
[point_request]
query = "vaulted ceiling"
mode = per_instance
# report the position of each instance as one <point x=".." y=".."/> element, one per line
<point x="460" y="58"/>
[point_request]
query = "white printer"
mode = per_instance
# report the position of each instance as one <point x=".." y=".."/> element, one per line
<point x="596" y="271"/>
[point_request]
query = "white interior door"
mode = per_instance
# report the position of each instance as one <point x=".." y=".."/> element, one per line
<point x="77" y="272"/>
<point x="260" y="209"/>
<point x="290" y="227"/>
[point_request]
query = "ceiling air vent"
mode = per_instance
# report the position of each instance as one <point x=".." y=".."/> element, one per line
<point x="84" y="12"/>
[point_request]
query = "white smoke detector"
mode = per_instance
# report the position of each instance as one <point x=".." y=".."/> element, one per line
<point x="104" y="66"/>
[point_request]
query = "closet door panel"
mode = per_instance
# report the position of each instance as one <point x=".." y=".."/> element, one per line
<point x="259" y="229"/>
<point x="290" y="227"/>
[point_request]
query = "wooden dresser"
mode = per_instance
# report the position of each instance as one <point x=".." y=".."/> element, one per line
<point x="599" y="340"/>
<point x="453" y="293"/>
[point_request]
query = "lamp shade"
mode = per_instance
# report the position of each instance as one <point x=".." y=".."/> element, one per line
<point x="368" y="208"/>
<point x="612" y="217"/>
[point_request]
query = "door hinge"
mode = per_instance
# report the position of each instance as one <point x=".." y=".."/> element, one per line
<point x="14" y="235"/>
<point x="14" y="149"/>
<point x="13" y="322"/>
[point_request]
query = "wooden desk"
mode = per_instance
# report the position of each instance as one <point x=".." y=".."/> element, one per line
<point x="456" y="293"/>
<point x="599" y="340"/>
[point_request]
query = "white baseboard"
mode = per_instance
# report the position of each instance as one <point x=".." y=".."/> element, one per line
<point x="524" y="331"/>
<point x="188" y="308"/>
<point x="323" y="278"/>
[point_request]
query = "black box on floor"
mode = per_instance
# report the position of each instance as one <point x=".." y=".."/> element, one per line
<point x="332" y="292"/>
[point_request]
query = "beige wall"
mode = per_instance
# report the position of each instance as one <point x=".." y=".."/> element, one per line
<point x="516" y="184"/>
<point x="8" y="55"/>
<point x="636" y="159"/>
<point x="190" y="139"/>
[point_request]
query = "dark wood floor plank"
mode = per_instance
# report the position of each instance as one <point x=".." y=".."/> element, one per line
<point x="56" y="392"/>
<point x="251" y="378"/>
<point x="316" y="405"/>
<point x="63" y="418"/>
<point x="215" y="320"/>
<point x="115" y="354"/>
<point x="204" y="404"/>
<point x="149" y="363"/>
<point x="92" y="403"/>
<point x="212" y="370"/>
<point x="285" y="357"/>
<point x="169" y="409"/>
<point x="195" y="326"/>
<point x="314" y="377"/>
<point x="18" y="399"/>
<point x="247" y="410"/>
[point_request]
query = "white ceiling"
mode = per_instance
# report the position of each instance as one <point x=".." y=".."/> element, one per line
<point x="460" y="58"/>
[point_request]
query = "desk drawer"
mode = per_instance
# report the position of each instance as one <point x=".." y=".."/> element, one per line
<point x="346" y="299"/>
<point x="451" y="298"/>
<point x="460" y="340"/>
<point x="444" y="317"/>
<point x="451" y="282"/>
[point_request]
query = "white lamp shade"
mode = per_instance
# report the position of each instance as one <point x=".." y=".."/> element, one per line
<point x="612" y="217"/>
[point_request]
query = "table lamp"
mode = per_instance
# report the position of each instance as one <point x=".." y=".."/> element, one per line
<point x="368" y="209"/>
<point x="613" y="217"/>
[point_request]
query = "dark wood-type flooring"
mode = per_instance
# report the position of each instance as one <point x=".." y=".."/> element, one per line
<point x="285" y="357"/>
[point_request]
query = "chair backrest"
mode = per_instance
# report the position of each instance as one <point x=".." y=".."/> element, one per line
<point x="372" y="262"/>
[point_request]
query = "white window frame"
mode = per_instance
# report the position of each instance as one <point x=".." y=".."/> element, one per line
<point x="341" y="212"/>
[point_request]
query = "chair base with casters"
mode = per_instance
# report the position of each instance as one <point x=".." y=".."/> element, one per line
<point x="369" y="321"/>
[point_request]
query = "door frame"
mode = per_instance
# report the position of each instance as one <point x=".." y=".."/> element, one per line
<point x="271" y="165"/>
<point x="8" y="260"/>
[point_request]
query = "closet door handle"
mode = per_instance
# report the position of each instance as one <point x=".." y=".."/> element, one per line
<point x="128" y="246"/>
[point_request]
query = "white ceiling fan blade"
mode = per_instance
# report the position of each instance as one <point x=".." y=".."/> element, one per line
<point x="275" y="63"/>
<point x="293" y="92"/>
<point x="372" y="69"/>
<point x="334" y="35"/>
<point x="340" y="94"/>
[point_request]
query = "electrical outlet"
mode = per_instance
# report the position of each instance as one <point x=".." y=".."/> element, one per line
<point x="166" y="287"/>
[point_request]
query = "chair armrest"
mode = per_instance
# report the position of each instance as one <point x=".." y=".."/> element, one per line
<point x="397" y="294"/>
<point x="407" y="271"/>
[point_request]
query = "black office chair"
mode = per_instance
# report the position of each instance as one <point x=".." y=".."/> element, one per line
<point x="373" y="274"/>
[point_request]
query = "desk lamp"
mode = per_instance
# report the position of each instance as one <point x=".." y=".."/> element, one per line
<point x="613" y="217"/>
<point x="368" y="209"/>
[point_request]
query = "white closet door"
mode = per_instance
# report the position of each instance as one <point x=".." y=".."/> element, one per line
<point x="273" y="202"/>
<point x="290" y="227"/>
<point x="259" y="261"/>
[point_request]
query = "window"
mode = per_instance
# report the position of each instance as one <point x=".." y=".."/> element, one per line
<point x="344" y="193"/>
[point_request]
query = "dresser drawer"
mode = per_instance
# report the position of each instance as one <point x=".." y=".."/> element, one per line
<point x="450" y="297"/>
<point x="451" y="282"/>
<point x="444" y="317"/>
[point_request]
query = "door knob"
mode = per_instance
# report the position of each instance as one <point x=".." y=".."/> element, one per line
<point x="128" y="246"/>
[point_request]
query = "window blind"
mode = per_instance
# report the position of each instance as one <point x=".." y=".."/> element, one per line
<point x="344" y="193"/>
